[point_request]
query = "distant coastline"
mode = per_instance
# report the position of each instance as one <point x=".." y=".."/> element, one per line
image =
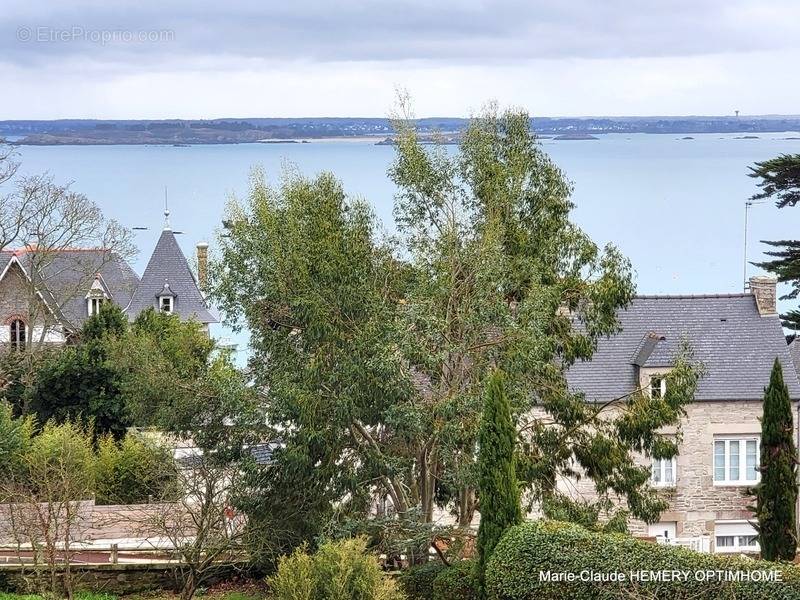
<point x="304" y="130"/>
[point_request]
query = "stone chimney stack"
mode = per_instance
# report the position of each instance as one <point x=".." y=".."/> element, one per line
<point x="202" y="265"/>
<point x="765" y="291"/>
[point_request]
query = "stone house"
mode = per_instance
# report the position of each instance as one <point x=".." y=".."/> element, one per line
<point x="737" y="338"/>
<point x="45" y="296"/>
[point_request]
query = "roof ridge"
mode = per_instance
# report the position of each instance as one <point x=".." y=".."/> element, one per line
<point x="692" y="296"/>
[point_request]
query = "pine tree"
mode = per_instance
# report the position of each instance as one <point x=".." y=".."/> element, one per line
<point x="780" y="181"/>
<point x="776" y="494"/>
<point x="498" y="492"/>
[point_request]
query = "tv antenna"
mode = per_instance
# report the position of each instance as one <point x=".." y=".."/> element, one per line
<point x="747" y="205"/>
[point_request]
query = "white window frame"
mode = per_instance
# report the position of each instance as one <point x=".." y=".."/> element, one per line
<point x="170" y="302"/>
<point x="660" y="464"/>
<point x="742" y="480"/>
<point x="737" y="531"/>
<point x="18" y="339"/>
<point x="662" y="388"/>
<point x="93" y="304"/>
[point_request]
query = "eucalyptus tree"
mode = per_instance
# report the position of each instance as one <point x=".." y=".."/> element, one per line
<point x="374" y="353"/>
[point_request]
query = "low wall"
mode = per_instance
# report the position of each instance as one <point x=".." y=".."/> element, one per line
<point x="123" y="578"/>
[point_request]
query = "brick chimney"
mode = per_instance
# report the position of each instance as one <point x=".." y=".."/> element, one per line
<point x="764" y="289"/>
<point x="202" y="265"/>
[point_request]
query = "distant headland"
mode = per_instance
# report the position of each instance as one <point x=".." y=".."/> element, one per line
<point x="180" y="132"/>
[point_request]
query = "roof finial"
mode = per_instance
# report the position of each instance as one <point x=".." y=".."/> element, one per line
<point x="166" y="210"/>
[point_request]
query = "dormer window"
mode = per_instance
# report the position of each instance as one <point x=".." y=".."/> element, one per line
<point x="94" y="304"/>
<point x="165" y="304"/>
<point x="658" y="386"/>
<point x="96" y="296"/>
<point x="166" y="299"/>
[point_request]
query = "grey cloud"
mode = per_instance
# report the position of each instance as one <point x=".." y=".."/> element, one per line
<point x="353" y="30"/>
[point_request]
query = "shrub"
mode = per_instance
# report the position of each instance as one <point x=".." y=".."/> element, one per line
<point x="456" y="582"/>
<point x="133" y="471"/>
<point x="338" y="571"/>
<point x="550" y="546"/>
<point x="417" y="582"/>
<point x="497" y="479"/>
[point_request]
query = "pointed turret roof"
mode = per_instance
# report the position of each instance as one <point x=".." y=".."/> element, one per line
<point x="169" y="269"/>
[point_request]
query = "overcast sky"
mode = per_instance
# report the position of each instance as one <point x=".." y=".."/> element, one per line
<point x="205" y="59"/>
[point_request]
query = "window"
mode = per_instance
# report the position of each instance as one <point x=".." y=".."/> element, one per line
<point x="736" y="461"/>
<point x="17" y="334"/>
<point x="94" y="305"/>
<point x="658" y="386"/>
<point x="735" y="536"/>
<point x="664" y="529"/>
<point x="663" y="472"/>
<point x="165" y="304"/>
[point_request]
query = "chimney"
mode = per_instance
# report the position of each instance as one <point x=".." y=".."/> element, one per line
<point x="764" y="289"/>
<point x="202" y="265"/>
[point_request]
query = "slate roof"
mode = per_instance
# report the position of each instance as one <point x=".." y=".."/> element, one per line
<point x="168" y="266"/>
<point x="68" y="274"/>
<point x="794" y="351"/>
<point x="726" y="332"/>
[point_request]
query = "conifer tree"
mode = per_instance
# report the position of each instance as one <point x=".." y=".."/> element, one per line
<point x="779" y="180"/>
<point x="776" y="494"/>
<point x="498" y="492"/>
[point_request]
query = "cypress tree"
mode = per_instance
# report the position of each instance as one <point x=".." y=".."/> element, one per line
<point x="776" y="494"/>
<point x="498" y="492"/>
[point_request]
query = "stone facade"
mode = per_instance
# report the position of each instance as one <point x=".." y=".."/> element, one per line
<point x="15" y="303"/>
<point x="696" y="502"/>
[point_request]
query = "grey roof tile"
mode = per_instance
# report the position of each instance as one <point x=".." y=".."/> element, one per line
<point x="168" y="265"/>
<point x="68" y="275"/>
<point x="736" y="345"/>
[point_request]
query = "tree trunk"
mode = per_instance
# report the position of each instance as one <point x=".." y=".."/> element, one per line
<point x="189" y="587"/>
<point x="467" y="502"/>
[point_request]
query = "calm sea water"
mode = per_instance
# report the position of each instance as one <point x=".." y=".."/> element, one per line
<point x="675" y="207"/>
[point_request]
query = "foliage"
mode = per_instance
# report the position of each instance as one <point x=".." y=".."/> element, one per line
<point x="300" y="266"/>
<point x="780" y="179"/>
<point x="44" y="496"/>
<point x="776" y="494"/>
<point x="532" y="548"/>
<point x="417" y="581"/>
<point x="133" y="471"/>
<point x="337" y="571"/>
<point x="497" y="480"/>
<point x="60" y="462"/>
<point x="175" y="379"/>
<point x="15" y="440"/>
<point x="584" y="513"/>
<point x="375" y="356"/>
<point x="80" y="382"/>
<point x="457" y="582"/>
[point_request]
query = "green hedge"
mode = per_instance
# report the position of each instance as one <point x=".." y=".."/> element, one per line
<point x="456" y="582"/>
<point x="530" y="550"/>
<point x="417" y="582"/>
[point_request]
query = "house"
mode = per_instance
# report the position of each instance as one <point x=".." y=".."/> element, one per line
<point x="737" y="338"/>
<point x="46" y="295"/>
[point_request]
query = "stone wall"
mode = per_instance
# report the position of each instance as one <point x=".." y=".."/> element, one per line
<point x="695" y="502"/>
<point x="15" y="304"/>
<point x="111" y="578"/>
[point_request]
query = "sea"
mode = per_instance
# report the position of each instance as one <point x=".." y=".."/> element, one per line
<point x="674" y="206"/>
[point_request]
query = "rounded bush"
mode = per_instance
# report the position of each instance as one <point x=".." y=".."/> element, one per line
<point x="456" y="582"/>
<point x="529" y="554"/>
<point x="417" y="582"/>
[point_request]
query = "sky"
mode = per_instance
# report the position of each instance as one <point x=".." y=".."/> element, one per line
<point x="260" y="58"/>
